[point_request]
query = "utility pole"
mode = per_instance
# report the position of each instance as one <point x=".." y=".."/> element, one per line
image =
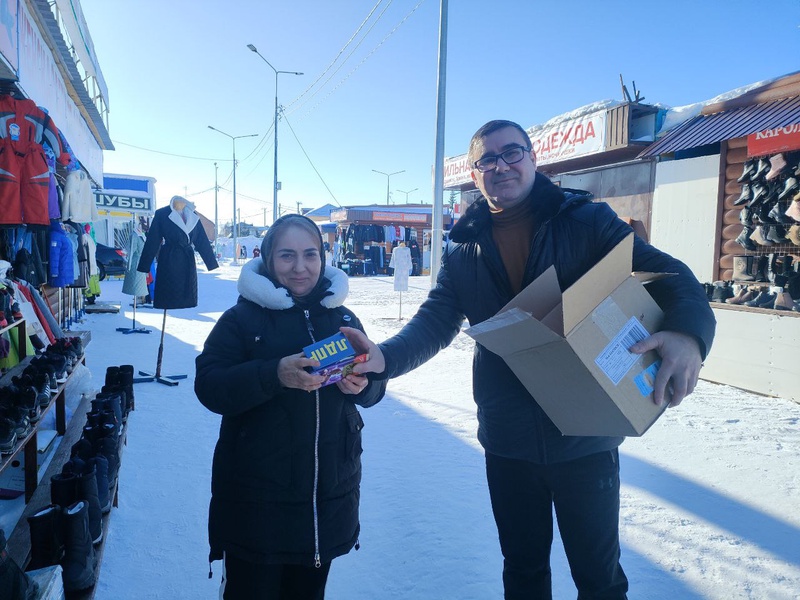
<point x="388" y="176"/>
<point x="216" y="213"/>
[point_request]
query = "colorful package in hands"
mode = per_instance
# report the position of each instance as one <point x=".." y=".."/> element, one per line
<point x="336" y="357"/>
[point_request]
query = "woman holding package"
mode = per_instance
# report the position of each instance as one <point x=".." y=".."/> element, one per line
<point x="287" y="466"/>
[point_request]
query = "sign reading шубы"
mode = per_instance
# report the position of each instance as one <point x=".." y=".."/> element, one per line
<point x="131" y="203"/>
<point x="772" y="141"/>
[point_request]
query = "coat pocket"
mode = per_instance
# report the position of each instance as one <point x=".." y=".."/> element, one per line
<point x="350" y="464"/>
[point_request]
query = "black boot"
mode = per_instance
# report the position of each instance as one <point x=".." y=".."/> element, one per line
<point x="15" y="584"/>
<point x="79" y="557"/>
<point x="744" y="239"/>
<point x="47" y="543"/>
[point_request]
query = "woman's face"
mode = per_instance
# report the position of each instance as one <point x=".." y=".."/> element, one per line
<point x="296" y="262"/>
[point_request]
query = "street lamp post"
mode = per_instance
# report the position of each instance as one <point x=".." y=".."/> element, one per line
<point x="388" y="175"/>
<point x="275" y="169"/>
<point x="216" y="213"/>
<point x="407" y="193"/>
<point x="235" y="260"/>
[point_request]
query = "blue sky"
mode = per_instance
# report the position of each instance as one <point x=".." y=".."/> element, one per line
<point x="173" y="68"/>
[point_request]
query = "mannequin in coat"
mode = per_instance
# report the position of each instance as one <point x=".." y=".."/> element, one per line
<point x="135" y="283"/>
<point x="174" y="235"/>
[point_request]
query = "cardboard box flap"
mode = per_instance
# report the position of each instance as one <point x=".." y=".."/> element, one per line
<point x="602" y="279"/>
<point x="645" y="277"/>
<point x="511" y="331"/>
<point x="540" y="297"/>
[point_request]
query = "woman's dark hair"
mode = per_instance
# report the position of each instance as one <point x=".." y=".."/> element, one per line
<point x="286" y="221"/>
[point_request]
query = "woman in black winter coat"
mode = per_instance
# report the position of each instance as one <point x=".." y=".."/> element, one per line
<point x="287" y="466"/>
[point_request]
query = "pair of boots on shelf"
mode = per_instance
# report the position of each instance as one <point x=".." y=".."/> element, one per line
<point x="65" y="531"/>
<point x="22" y="402"/>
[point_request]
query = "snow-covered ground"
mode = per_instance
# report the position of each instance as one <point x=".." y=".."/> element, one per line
<point x="710" y="498"/>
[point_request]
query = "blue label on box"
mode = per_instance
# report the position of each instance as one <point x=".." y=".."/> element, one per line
<point x="647" y="378"/>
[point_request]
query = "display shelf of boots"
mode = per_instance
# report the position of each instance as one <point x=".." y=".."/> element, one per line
<point x="29" y="443"/>
<point x="20" y="542"/>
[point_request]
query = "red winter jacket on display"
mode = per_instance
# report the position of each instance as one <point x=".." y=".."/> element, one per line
<point x="24" y="175"/>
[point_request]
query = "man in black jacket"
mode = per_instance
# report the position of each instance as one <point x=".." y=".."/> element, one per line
<point x="523" y="225"/>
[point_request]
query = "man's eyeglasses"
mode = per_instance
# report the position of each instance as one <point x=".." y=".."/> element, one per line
<point x="510" y="157"/>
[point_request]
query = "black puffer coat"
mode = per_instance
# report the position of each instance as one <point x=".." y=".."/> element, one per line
<point x="472" y="283"/>
<point x="267" y="462"/>
<point x="175" y="242"/>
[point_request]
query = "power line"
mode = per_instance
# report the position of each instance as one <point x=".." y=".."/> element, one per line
<point x="328" y="68"/>
<point x="385" y="8"/>
<point x="338" y="85"/>
<point x="171" y="154"/>
<point x="310" y="162"/>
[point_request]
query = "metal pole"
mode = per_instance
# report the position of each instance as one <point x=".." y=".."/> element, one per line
<point x="388" y="175"/>
<point x="275" y="170"/>
<point x="216" y="212"/>
<point x="438" y="177"/>
<point x="235" y="260"/>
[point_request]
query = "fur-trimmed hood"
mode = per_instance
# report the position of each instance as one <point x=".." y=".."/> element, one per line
<point x="254" y="285"/>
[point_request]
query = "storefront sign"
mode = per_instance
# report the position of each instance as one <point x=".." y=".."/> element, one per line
<point x="456" y="171"/>
<point x="339" y="215"/>
<point x="131" y="203"/>
<point x="399" y="217"/>
<point x="569" y="139"/>
<point x="772" y="141"/>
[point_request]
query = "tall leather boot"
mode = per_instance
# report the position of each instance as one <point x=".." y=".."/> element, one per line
<point x="14" y="582"/>
<point x="47" y="543"/>
<point x="79" y="558"/>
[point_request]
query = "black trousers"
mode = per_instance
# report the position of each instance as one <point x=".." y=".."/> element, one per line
<point x="585" y="494"/>
<point x="242" y="580"/>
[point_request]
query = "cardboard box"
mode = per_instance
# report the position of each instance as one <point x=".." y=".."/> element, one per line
<point x="570" y="349"/>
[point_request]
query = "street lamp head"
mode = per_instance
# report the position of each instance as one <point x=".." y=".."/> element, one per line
<point x="252" y="48"/>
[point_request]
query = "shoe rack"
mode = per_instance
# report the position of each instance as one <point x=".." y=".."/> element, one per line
<point x="760" y="233"/>
<point x="27" y="446"/>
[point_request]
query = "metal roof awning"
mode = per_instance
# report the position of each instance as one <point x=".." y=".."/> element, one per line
<point x="727" y="125"/>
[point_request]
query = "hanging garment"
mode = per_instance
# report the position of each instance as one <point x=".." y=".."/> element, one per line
<point x="78" y="204"/>
<point x="135" y="283"/>
<point x="175" y="242"/>
<point x="61" y="272"/>
<point x="402" y="265"/>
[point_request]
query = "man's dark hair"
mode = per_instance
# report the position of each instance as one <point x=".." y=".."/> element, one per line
<point x="491" y="127"/>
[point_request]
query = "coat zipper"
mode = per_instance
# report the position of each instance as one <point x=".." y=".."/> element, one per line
<point x="317" y="561"/>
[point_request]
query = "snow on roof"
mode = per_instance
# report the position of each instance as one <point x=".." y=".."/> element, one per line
<point x="680" y="114"/>
<point x="576" y="114"/>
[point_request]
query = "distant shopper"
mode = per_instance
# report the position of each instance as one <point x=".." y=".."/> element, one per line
<point x="243" y="251"/>
<point x="287" y="466"/>
<point x="523" y="225"/>
<point x="256" y="252"/>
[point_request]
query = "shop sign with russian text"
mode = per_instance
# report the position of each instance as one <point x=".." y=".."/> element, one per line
<point x="772" y="141"/>
<point x="131" y="203"/>
<point x="570" y="139"/>
<point x="456" y="171"/>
